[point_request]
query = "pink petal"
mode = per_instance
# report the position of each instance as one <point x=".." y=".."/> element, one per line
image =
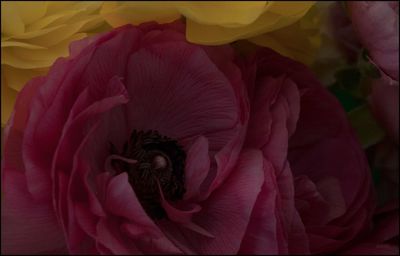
<point x="371" y="249"/>
<point x="45" y="123"/>
<point x="227" y="211"/>
<point x="197" y="166"/>
<point x="176" y="90"/>
<point x="284" y="117"/>
<point x="377" y="26"/>
<point x="28" y="226"/>
<point x="110" y="236"/>
<point x="121" y="201"/>
<point x="386" y="223"/>
<point x="261" y="234"/>
<point x="384" y="101"/>
<point x="52" y="105"/>
<point x="13" y="132"/>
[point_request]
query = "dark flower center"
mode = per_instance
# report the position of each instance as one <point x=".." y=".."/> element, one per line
<point x="160" y="164"/>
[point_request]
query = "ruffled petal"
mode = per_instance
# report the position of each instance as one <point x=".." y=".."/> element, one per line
<point x="137" y="12"/>
<point x="197" y="167"/>
<point x="268" y="21"/>
<point x="377" y="26"/>
<point x="28" y="226"/>
<point x="226" y="213"/>
<point x="176" y="90"/>
<point x="230" y="14"/>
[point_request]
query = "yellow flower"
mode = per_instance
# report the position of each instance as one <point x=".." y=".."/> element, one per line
<point x="137" y="12"/>
<point x="275" y="24"/>
<point x="34" y="35"/>
<point x="211" y="22"/>
<point x="224" y="22"/>
<point x="300" y="41"/>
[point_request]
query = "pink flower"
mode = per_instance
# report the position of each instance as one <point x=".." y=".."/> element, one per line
<point x="384" y="101"/>
<point x="384" y="238"/>
<point x="140" y="142"/>
<point x="309" y="138"/>
<point x="377" y="26"/>
<point x="374" y="26"/>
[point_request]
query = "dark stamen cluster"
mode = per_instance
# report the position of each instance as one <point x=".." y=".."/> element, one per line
<point x="160" y="161"/>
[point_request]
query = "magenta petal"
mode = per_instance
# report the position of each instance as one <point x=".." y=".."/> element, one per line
<point x="226" y="213"/>
<point x="110" y="236"/>
<point x="197" y="167"/>
<point x="27" y="226"/>
<point x="377" y="26"/>
<point x="384" y="101"/>
<point x="122" y="202"/>
<point x="13" y="132"/>
<point x="285" y="110"/>
<point x="76" y="131"/>
<point x="371" y="249"/>
<point x="261" y="234"/>
<point x="176" y="90"/>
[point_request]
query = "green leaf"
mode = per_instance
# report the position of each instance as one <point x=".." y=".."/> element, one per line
<point x="367" y="129"/>
<point x="376" y="175"/>
<point x="347" y="100"/>
<point x="349" y="77"/>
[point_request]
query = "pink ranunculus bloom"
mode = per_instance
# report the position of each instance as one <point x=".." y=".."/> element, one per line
<point x="141" y="142"/>
<point x="384" y="102"/>
<point x="376" y="24"/>
<point x="384" y="238"/>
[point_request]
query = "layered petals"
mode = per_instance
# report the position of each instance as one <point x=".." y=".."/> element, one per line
<point x="34" y="35"/>
<point x="377" y="26"/>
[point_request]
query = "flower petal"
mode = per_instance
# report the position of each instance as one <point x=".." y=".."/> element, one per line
<point x="28" y="226"/>
<point x="227" y="211"/>
<point x="268" y="21"/>
<point x="197" y="167"/>
<point x="138" y="12"/>
<point x="176" y="90"/>
<point x="232" y="14"/>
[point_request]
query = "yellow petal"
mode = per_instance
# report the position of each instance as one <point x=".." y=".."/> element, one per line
<point x="214" y="35"/>
<point x="54" y="20"/>
<point x="59" y="6"/>
<point x="268" y="21"/>
<point x="8" y="97"/>
<point x="300" y="41"/>
<point x="289" y="8"/>
<point x="31" y="11"/>
<point x="17" y="78"/>
<point x="20" y="44"/>
<point x="118" y="14"/>
<point x="81" y="11"/>
<point x="11" y="22"/>
<point x="28" y="59"/>
<point x="54" y="35"/>
<point x="32" y="34"/>
<point x="229" y="13"/>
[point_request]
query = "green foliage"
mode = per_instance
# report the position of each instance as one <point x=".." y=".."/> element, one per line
<point x="367" y="129"/>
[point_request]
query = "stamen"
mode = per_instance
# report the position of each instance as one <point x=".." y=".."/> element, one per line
<point x="151" y="159"/>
